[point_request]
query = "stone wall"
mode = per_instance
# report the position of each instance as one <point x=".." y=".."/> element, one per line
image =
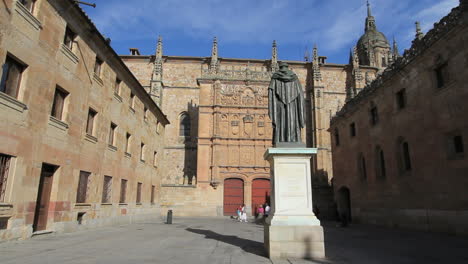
<point x="419" y="179"/>
<point x="32" y="137"/>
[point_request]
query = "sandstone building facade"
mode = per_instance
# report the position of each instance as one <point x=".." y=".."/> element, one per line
<point x="400" y="146"/>
<point x="81" y="141"/>
<point x="220" y="127"/>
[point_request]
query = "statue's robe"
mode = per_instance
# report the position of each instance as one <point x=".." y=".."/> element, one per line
<point x="286" y="107"/>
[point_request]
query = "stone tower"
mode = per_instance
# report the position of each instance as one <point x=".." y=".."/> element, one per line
<point x="373" y="47"/>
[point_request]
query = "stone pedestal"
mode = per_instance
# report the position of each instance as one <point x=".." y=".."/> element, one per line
<point x="292" y="229"/>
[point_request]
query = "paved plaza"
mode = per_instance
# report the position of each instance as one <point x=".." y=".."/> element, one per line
<point x="218" y="240"/>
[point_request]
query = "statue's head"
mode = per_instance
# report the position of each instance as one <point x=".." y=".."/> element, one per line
<point x="283" y="65"/>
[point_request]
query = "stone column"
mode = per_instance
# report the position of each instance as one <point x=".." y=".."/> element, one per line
<point x="292" y="229"/>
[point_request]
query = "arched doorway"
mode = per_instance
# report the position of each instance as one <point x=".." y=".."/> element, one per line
<point x="344" y="203"/>
<point x="260" y="193"/>
<point x="233" y="195"/>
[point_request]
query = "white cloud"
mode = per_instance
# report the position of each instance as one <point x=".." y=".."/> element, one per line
<point x="334" y="24"/>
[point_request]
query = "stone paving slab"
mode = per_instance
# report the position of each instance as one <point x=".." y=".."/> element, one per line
<point x="224" y="241"/>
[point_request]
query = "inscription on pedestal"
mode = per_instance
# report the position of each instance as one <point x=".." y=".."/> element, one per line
<point x="292" y="188"/>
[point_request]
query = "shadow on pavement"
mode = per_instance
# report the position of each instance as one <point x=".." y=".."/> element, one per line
<point x="247" y="245"/>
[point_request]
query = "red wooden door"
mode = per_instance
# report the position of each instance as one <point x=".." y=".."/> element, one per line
<point x="43" y="197"/>
<point x="233" y="195"/>
<point x="260" y="193"/>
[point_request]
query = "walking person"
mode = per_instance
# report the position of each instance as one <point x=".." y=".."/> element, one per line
<point x="267" y="210"/>
<point x="260" y="213"/>
<point x="243" y="217"/>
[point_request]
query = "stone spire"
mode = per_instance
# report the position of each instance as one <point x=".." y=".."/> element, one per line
<point x="156" y="79"/>
<point x="419" y="33"/>
<point x="370" y="20"/>
<point x="214" y="56"/>
<point x="316" y="65"/>
<point x="396" y="53"/>
<point x="306" y="55"/>
<point x="274" y="57"/>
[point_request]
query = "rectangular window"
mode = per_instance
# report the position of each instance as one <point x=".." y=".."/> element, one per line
<point x="4" y="169"/>
<point x="127" y="142"/>
<point x="337" y="137"/>
<point x="458" y="144"/>
<point x="107" y="189"/>
<point x="123" y="191"/>
<point x="69" y="38"/>
<point x="441" y="73"/>
<point x="132" y="100"/>
<point x="59" y="103"/>
<point x="401" y="99"/>
<point x="117" y="84"/>
<point x="155" y="156"/>
<point x="352" y="129"/>
<point x="152" y="193"/>
<point x="29" y="4"/>
<point x="113" y="127"/>
<point x="138" y="198"/>
<point x="142" y="152"/>
<point x="97" y="67"/>
<point x="83" y="183"/>
<point x="145" y="111"/>
<point x="12" y="72"/>
<point x="90" y="123"/>
<point x="374" y="116"/>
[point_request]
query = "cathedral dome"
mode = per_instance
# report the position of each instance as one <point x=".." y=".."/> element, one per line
<point x="374" y="38"/>
<point x="369" y="42"/>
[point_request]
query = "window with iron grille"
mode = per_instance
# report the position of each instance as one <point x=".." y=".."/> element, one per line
<point x="132" y="100"/>
<point x="83" y="183"/>
<point x="153" y="188"/>
<point x="123" y="191"/>
<point x="29" y="4"/>
<point x="69" y="38"/>
<point x="113" y="127"/>
<point x="97" y="67"/>
<point x="138" y="198"/>
<point x="442" y="75"/>
<point x="12" y="72"/>
<point x="4" y="169"/>
<point x="59" y="102"/>
<point x="184" y="126"/>
<point x="401" y="99"/>
<point x="127" y="142"/>
<point x="374" y="115"/>
<point x="107" y="189"/>
<point x="117" y="86"/>
<point x="352" y="129"/>
<point x="90" y="123"/>
<point x="142" y="151"/>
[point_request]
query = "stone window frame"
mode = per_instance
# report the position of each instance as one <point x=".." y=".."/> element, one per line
<point x="107" y="190"/>
<point x="112" y="134"/>
<point x="153" y="193"/>
<point x="336" y="136"/>
<point x="123" y="191"/>
<point x="139" y="192"/>
<point x="362" y="167"/>
<point x="11" y="59"/>
<point x="60" y="94"/>
<point x="401" y="99"/>
<point x="373" y="114"/>
<point x="380" y="164"/>
<point x="455" y="145"/>
<point x="352" y="129"/>
<point x="82" y="190"/>
<point x="91" y="122"/>
<point x="185" y="125"/>
<point x="142" y="151"/>
<point x="403" y="156"/>
<point x="128" y="145"/>
<point x="439" y="70"/>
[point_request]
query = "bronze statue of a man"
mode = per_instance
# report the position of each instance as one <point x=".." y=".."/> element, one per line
<point x="286" y="107"/>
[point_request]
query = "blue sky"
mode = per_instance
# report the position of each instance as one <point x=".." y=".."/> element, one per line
<point x="246" y="28"/>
